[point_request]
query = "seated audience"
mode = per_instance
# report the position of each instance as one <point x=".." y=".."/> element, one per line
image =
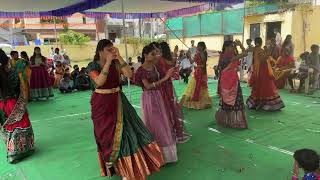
<point x="314" y="66"/>
<point x="66" y="84"/>
<point x="185" y="67"/>
<point x="283" y="68"/>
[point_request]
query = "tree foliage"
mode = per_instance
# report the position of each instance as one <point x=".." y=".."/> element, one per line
<point x="73" y="38"/>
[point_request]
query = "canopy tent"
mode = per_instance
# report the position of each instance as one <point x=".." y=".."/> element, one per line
<point x="30" y="8"/>
<point x="133" y="9"/>
<point x="115" y="8"/>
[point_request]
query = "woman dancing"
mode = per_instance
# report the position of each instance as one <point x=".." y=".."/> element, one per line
<point x="231" y="113"/>
<point x="196" y="96"/>
<point x="166" y="62"/>
<point x="264" y="93"/>
<point x="125" y="146"/>
<point x="156" y="113"/>
<point x="15" y="125"/>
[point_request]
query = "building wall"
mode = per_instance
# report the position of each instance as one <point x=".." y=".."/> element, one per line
<point x="213" y="43"/>
<point x="285" y="18"/>
<point x="306" y="32"/>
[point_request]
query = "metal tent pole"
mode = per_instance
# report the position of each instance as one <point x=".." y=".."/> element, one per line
<point x="243" y="40"/>
<point x="125" y="42"/>
<point x="55" y="31"/>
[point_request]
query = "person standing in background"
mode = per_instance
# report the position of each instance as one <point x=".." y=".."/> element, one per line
<point x="193" y="49"/>
<point x="288" y="44"/>
<point x="278" y="37"/>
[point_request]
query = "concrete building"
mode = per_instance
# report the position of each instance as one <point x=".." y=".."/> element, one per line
<point x="298" y="18"/>
<point x="23" y="31"/>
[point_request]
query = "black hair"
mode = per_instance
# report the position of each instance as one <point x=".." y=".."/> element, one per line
<point x="65" y="75"/>
<point x="57" y="49"/>
<point x="24" y="55"/>
<point x="12" y="53"/>
<point x="307" y="159"/>
<point x="139" y="58"/>
<point x="225" y="45"/>
<point x="156" y="44"/>
<point x="166" y="52"/>
<point x="146" y="50"/>
<point x="100" y="46"/>
<point x="33" y="57"/>
<point x="203" y="45"/>
<point x="249" y="40"/>
<point x="257" y="41"/>
<point x="286" y="41"/>
<point x="313" y="46"/>
<point x="4" y="81"/>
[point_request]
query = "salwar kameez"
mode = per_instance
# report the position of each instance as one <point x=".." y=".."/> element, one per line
<point x="125" y="146"/>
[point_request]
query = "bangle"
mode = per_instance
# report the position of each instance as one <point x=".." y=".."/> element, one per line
<point x="123" y="65"/>
<point x="105" y="73"/>
<point x="294" y="177"/>
<point x="154" y="85"/>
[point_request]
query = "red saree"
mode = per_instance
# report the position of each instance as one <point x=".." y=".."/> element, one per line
<point x="201" y="77"/>
<point x="284" y="65"/>
<point x="125" y="146"/>
<point x="173" y="105"/>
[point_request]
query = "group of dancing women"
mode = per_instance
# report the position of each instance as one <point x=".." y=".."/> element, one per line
<point x="133" y="148"/>
<point x="127" y="145"/>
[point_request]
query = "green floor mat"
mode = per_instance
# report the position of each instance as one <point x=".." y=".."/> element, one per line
<point x="66" y="149"/>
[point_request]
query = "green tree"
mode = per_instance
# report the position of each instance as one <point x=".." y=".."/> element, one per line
<point x="73" y="38"/>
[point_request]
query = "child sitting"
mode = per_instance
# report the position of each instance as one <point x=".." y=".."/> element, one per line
<point x="66" y="84"/>
<point x="308" y="160"/>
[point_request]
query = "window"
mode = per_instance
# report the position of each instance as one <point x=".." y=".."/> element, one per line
<point x="84" y="20"/>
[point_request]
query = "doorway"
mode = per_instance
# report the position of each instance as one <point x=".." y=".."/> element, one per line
<point x="254" y="31"/>
<point x="271" y="26"/>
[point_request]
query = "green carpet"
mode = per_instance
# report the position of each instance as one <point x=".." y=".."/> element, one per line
<point x="66" y="147"/>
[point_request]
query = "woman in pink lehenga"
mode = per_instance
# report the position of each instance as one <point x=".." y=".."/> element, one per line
<point x="164" y="63"/>
<point x="155" y="110"/>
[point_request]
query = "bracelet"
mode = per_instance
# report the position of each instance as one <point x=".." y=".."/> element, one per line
<point x="295" y="177"/>
<point x="105" y="73"/>
<point x="123" y="65"/>
<point x="154" y="85"/>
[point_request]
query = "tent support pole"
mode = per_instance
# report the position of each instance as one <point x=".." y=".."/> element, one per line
<point x="243" y="41"/>
<point x="55" y="31"/>
<point x="125" y="42"/>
